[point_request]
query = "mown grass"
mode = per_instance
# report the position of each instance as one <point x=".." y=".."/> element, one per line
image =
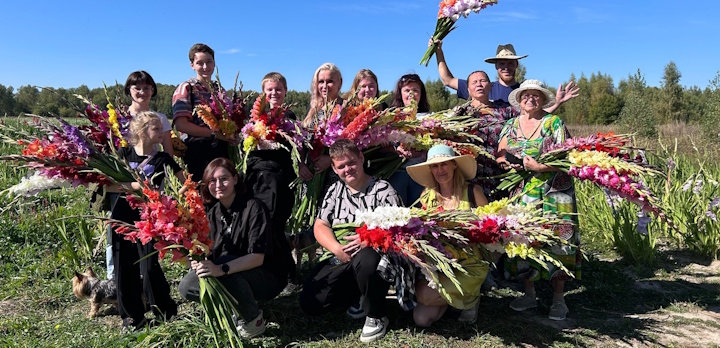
<point x="619" y="301"/>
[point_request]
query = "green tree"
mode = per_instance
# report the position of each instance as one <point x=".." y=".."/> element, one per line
<point x="162" y="102"/>
<point x="520" y="72"/>
<point x="695" y="104"/>
<point x="7" y="101"/>
<point x="637" y="115"/>
<point x="604" y="104"/>
<point x="438" y="96"/>
<point x="634" y="83"/>
<point x="26" y="99"/>
<point x="300" y="101"/>
<point x="711" y="117"/>
<point x="670" y="105"/>
<point x="576" y="111"/>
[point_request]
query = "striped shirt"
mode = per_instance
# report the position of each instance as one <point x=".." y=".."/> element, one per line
<point x="340" y="203"/>
<point x="188" y="95"/>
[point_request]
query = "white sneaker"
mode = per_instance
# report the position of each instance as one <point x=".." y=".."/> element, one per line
<point x="253" y="328"/>
<point x="374" y="329"/>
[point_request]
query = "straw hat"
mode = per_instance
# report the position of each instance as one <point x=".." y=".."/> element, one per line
<point x="537" y="85"/>
<point x="437" y="154"/>
<point x="504" y="52"/>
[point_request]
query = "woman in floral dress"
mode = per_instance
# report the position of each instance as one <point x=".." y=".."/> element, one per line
<point x="522" y="141"/>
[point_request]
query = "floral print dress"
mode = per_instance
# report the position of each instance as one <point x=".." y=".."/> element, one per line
<point x="554" y="190"/>
<point x="492" y="121"/>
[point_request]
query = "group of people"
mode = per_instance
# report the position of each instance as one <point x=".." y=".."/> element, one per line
<point x="251" y="256"/>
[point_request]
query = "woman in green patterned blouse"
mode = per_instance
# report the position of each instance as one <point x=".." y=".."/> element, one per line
<point x="522" y="141"/>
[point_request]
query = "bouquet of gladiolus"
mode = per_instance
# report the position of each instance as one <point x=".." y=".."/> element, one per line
<point x="450" y="11"/>
<point x="517" y="230"/>
<point x="413" y="234"/>
<point x="608" y="160"/>
<point x="175" y="220"/>
<point x="224" y="113"/>
<point x="63" y="151"/>
<point x="427" y="238"/>
<point x="269" y="129"/>
<point x="446" y="126"/>
<point x="113" y="123"/>
<point x="359" y="122"/>
<point x="372" y="130"/>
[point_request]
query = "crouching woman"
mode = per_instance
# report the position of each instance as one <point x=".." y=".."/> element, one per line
<point x="244" y="255"/>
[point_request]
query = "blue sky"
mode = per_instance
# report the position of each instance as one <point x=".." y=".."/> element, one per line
<point x="69" y="43"/>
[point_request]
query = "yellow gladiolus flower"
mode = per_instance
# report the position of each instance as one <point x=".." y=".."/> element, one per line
<point x="492" y="208"/>
<point x="520" y="250"/>
<point x="249" y="143"/>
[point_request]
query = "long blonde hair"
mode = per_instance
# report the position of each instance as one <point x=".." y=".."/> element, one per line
<point x="459" y="186"/>
<point x="317" y="101"/>
<point x="139" y="124"/>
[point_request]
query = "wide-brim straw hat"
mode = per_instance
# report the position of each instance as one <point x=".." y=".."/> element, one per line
<point x="537" y="85"/>
<point x="504" y="52"/>
<point x="437" y="154"/>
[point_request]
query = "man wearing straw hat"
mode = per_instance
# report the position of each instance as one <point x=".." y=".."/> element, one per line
<point x="506" y="61"/>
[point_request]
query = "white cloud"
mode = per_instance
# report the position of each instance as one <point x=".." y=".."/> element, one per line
<point x="231" y="51"/>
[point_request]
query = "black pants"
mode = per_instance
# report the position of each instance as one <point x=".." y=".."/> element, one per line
<point x="273" y="189"/>
<point x="332" y="286"/>
<point x="248" y="287"/>
<point x="200" y="153"/>
<point x="130" y="285"/>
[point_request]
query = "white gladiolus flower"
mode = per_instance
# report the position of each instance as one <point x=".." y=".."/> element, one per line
<point x="384" y="217"/>
<point x="34" y="184"/>
<point x="495" y="248"/>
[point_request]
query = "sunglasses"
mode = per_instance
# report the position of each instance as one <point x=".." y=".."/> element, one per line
<point x="410" y="78"/>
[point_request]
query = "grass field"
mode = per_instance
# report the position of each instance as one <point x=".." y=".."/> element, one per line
<point x="673" y="300"/>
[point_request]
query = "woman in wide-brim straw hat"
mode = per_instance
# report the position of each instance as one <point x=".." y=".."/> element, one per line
<point x="527" y="137"/>
<point x="444" y="176"/>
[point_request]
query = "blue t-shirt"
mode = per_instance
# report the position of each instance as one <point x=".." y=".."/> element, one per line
<point x="497" y="92"/>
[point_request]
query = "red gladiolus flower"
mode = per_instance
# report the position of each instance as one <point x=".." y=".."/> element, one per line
<point x="377" y="238"/>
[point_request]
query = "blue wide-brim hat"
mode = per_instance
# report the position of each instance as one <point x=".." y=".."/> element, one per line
<point x="437" y="154"/>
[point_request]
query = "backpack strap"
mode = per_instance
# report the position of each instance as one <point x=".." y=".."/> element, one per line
<point x="147" y="160"/>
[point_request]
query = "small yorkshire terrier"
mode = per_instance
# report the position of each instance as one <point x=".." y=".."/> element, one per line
<point x="302" y="243"/>
<point x="99" y="291"/>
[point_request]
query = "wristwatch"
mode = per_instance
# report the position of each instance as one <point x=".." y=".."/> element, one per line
<point x="225" y="268"/>
<point x="212" y="135"/>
